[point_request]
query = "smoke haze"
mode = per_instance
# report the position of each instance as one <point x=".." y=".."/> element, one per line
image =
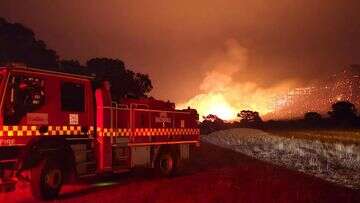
<point x="224" y="94"/>
<point x="184" y="45"/>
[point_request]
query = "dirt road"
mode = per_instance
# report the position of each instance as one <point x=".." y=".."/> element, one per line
<point x="213" y="175"/>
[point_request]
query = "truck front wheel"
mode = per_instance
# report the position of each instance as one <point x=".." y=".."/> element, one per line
<point x="46" y="180"/>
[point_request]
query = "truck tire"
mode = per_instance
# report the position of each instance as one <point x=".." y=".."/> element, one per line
<point x="46" y="180"/>
<point x="166" y="164"/>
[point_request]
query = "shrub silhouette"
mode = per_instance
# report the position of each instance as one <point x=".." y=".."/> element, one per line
<point x="312" y="117"/>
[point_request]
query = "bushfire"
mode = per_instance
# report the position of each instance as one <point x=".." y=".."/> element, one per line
<point x="223" y="95"/>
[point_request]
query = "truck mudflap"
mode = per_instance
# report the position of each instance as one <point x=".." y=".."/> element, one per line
<point x="7" y="176"/>
<point x="7" y="185"/>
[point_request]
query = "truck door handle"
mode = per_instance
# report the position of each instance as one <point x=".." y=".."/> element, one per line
<point x="84" y="129"/>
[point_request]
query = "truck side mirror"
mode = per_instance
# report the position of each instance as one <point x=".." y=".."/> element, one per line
<point x="30" y="95"/>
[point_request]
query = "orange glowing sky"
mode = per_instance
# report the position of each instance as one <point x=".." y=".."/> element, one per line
<point x="233" y="53"/>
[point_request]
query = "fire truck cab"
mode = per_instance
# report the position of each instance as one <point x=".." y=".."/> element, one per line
<point x="56" y="126"/>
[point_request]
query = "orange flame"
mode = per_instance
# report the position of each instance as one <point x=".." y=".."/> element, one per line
<point x="224" y="97"/>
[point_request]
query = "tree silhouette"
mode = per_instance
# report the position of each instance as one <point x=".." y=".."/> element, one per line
<point x="249" y="118"/>
<point x="343" y="111"/>
<point x="72" y="66"/>
<point x="124" y="82"/>
<point x="18" y="44"/>
<point x="211" y="123"/>
<point x="213" y="118"/>
<point x="142" y="84"/>
<point x="105" y="68"/>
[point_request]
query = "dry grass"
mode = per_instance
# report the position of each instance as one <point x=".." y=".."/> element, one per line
<point x="333" y="157"/>
<point x="350" y="136"/>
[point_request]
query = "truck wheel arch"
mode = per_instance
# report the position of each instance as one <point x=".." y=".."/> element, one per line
<point x="42" y="148"/>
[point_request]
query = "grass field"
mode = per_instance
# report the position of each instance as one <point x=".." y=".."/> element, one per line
<point x="331" y="155"/>
<point x="348" y="136"/>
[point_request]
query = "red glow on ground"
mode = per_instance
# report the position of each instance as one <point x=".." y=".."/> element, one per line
<point x="215" y="175"/>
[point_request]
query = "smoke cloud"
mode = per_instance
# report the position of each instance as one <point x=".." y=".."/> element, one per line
<point x="224" y="95"/>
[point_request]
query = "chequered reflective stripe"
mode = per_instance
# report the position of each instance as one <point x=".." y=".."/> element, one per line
<point x="64" y="130"/>
<point x="11" y="131"/>
<point x="165" y="131"/>
<point x="114" y="132"/>
<point x="147" y="131"/>
<point x="27" y="130"/>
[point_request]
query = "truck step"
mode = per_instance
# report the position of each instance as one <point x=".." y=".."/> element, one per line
<point x="120" y="170"/>
<point x="86" y="167"/>
<point x="7" y="186"/>
<point x="87" y="175"/>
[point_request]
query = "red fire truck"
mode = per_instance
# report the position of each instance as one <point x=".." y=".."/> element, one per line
<point x="56" y="126"/>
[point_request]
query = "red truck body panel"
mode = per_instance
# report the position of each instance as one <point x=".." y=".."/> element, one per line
<point x="75" y="117"/>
